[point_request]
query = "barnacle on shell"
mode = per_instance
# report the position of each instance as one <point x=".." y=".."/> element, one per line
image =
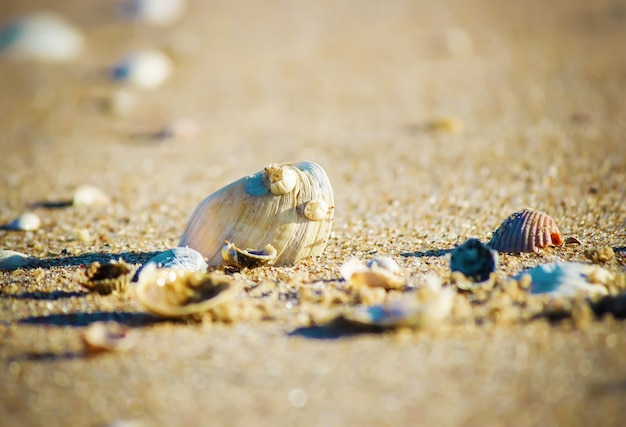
<point x="527" y="230"/>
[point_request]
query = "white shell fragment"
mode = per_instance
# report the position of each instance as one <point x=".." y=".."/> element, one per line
<point x="12" y="260"/>
<point x="25" y="222"/>
<point x="145" y="69"/>
<point x="182" y="259"/>
<point x="88" y="196"/>
<point x="568" y="279"/>
<point x="173" y="293"/>
<point x="107" y="336"/>
<point x="281" y="179"/>
<point x="40" y="37"/>
<point x="153" y="12"/>
<point x="247" y="214"/>
<point x="379" y="273"/>
<point x="248" y="258"/>
<point x="424" y="308"/>
<point x="474" y="259"/>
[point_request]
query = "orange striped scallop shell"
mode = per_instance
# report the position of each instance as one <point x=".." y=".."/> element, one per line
<point x="526" y="231"/>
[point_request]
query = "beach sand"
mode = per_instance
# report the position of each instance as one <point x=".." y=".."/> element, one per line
<point x="434" y="121"/>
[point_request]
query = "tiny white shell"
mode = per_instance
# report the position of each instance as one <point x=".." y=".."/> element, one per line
<point x="107" y="336"/>
<point x="316" y="210"/>
<point x="145" y="69"/>
<point x="381" y="273"/>
<point x="26" y="222"/>
<point x="281" y="179"/>
<point x="87" y="196"/>
<point x="41" y="37"/>
<point x="567" y="279"/>
<point x="154" y="12"/>
<point x="12" y="260"/>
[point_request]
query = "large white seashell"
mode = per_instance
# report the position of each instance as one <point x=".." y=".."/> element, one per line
<point x="379" y="273"/>
<point x="174" y="293"/>
<point x="526" y="231"/>
<point x="25" y="222"/>
<point x="146" y="69"/>
<point x="474" y="259"/>
<point x="247" y="214"/>
<point x="12" y="260"/>
<point x="41" y="37"/>
<point x="154" y="12"/>
<point x="568" y="279"/>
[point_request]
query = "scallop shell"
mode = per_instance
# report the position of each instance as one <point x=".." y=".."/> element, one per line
<point x="568" y="279"/>
<point x="379" y="273"/>
<point x="41" y="37"/>
<point x="173" y="293"/>
<point x="474" y="259"/>
<point x="526" y="231"/>
<point x="106" y="278"/>
<point x="146" y="69"/>
<point x="107" y="336"/>
<point x="426" y="307"/>
<point x="12" y="260"/>
<point x="266" y="208"/>
<point x="25" y="222"/>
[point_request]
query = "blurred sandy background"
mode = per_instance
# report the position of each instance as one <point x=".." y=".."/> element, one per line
<point x="434" y="119"/>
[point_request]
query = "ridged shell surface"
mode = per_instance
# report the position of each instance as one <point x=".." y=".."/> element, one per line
<point x="526" y="231"/>
<point x="249" y="215"/>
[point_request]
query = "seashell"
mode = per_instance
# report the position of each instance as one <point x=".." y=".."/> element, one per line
<point x="426" y="307"/>
<point x="181" y="259"/>
<point x="526" y="231"/>
<point x="173" y="293"/>
<point x="266" y="208"/>
<point x="146" y="69"/>
<point x="153" y="12"/>
<point x="567" y="279"/>
<point x="474" y="259"/>
<point x="106" y="278"/>
<point x="41" y="37"/>
<point x="26" y="222"/>
<point x="380" y="272"/>
<point x="88" y="196"/>
<point x="107" y="336"/>
<point x="12" y="260"/>
<point x="248" y="258"/>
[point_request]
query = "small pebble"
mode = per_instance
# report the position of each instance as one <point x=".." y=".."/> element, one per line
<point x="25" y="222"/>
<point x="88" y="196"/>
<point x="42" y="37"/>
<point x="146" y="69"/>
<point x="84" y="235"/>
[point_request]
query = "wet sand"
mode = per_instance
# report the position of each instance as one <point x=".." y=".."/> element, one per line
<point x="434" y="123"/>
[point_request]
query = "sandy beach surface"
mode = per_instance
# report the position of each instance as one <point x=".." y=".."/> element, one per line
<point x="435" y="120"/>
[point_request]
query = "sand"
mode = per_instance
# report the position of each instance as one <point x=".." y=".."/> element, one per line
<point x="434" y="121"/>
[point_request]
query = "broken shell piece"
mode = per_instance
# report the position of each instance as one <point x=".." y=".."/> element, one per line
<point x="41" y="37"/>
<point x="12" y="260"/>
<point x="181" y="259"/>
<point x="280" y="179"/>
<point x="87" y="196"/>
<point x="106" y="278"/>
<point x="107" y="336"/>
<point x="146" y="69"/>
<point x="316" y="210"/>
<point x="173" y="293"/>
<point x="421" y="309"/>
<point x="474" y="259"/>
<point x="567" y="279"/>
<point x="248" y="213"/>
<point x="526" y="231"/>
<point x="25" y="222"/>
<point x="248" y="258"/>
<point x="380" y="272"/>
